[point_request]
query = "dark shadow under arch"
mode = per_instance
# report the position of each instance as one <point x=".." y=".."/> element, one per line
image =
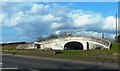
<point x="73" y="45"/>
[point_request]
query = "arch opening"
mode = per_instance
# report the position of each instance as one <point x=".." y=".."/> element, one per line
<point x="73" y="45"/>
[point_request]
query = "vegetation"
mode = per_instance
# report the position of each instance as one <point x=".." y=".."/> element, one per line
<point x="91" y="55"/>
<point x="117" y="39"/>
<point x="53" y="36"/>
<point x="9" y="47"/>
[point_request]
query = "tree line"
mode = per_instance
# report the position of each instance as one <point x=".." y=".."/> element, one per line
<point x="117" y="38"/>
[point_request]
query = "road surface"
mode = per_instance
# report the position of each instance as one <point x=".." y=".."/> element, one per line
<point x="33" y="63"/>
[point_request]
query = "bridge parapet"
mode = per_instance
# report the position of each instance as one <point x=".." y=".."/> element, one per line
<point x="59" y="43"/>
<point x="83" y="38"/>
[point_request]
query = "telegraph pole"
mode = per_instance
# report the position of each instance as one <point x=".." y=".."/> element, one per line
<point x="116" y="25"/>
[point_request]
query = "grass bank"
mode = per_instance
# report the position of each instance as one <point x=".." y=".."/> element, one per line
<point x="104" y="55"/>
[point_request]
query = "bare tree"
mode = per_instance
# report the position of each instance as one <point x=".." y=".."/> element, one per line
<point x="39" y="39"/>
<point x="63" y="34"/>
<point x="117" y="39"/>
<point x="52" y="36"/>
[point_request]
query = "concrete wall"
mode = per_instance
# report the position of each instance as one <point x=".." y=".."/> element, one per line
<point x="26" y="46"/>
<point x="59" y="43"/>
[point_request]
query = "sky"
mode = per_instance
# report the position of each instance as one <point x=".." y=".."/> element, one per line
<point x="26" y="21"/>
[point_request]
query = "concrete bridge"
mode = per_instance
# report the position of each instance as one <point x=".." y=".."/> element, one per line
<point x="76" y="43"/>
<point x="71" y="43"/>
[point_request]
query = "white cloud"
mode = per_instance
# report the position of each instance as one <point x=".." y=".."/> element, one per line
<point x="57" y="32"/>
<point x="39" y="9"/>
<point x="81" y="19"/>
<point x="2" y="16"/>
<point x="109" y="23"/>
<point x="19" y="30"/>
<point x="42" y="19"/>
<point x="50" y="17"/>
<point x="36" y="8"/>
<point x="90" y="33"/>
<point x="17" y="18"/>
<point x="14" y="20"/>
<point x="56" y="25"/>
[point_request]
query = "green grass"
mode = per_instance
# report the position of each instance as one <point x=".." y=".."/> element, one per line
<point x="91" y="55"/>
<point x="70" y="54"/>
<point x="9" y="48"/>
<point x="113" y="48"/>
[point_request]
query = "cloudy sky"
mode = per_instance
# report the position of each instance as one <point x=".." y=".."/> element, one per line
<point x="26" y="21"/>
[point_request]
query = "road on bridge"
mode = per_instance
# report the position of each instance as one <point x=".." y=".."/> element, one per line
<point x="26" y="62"/>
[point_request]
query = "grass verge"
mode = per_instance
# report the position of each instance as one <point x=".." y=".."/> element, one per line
<point x="104" y="55"/>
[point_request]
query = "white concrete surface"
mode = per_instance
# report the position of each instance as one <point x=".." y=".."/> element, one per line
<point x="59" y="43"/>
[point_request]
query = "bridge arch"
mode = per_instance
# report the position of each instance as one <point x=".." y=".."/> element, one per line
<point x="73" y="45"/>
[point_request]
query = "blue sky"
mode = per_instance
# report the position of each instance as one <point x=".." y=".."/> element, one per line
<point x="29" y="20"/>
